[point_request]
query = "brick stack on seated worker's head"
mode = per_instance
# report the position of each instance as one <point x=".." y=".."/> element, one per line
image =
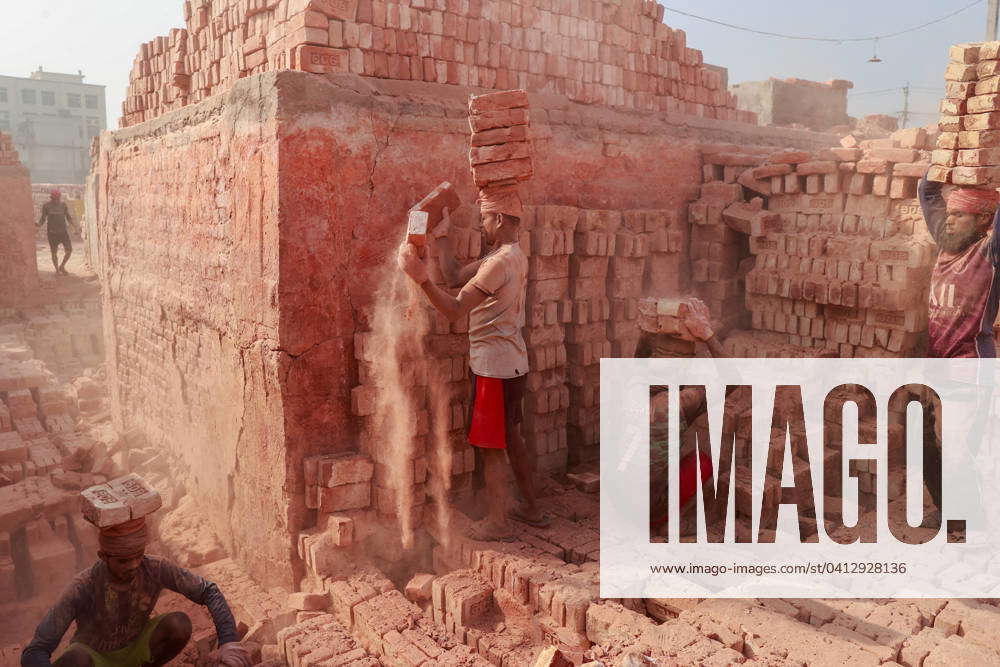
<point x="118" y="509"/>
<point x="500" y="155"/>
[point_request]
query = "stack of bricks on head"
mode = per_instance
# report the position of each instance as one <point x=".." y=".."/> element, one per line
<point x="122" y="499"/>
<point x="664" y="316"/>
<point x="500" y="155"/>
<point x="839" y="255"/>
<point x="617" y="54"/>
<point x="969" y="146"/>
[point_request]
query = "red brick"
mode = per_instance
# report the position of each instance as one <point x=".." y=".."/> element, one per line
<point x="499" y="152"/>
<point x="494" y="172"/>
<point x="789" y="157"/>
<point x="320" y="60"/>
<point x="981" y="121"/>
<point x="508" y="99"/>
<point x="344" y="497"/>
<point x="500" y="135"/>
<point x="960" y="72"/>
<point x="497" y="119"/>
<point x="976" y="176"/>
<point x="910" y="137"/>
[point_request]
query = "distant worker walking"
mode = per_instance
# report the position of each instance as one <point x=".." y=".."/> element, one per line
<point x="56" y="215"/>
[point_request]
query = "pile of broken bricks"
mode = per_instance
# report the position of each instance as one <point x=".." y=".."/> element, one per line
<point x="969" y="146"/>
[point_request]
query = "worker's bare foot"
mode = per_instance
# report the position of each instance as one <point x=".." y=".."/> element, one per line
<point x="489" y="531"/>
<point x="532" y="517"/>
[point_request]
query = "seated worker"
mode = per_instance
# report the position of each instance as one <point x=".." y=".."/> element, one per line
<point x="664" y="346"/>
<point x="112" y="601"/>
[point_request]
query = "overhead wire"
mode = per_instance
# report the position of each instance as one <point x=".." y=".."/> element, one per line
<point x="827" y="39"/>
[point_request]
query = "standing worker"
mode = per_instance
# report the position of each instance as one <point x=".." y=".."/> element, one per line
<point x="964" y="285"/>
<point x="56" y="214"/>
<point x="493" y="296"/>
<point x="964" y="295"/>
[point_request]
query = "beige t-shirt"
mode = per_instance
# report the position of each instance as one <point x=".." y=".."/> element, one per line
<point x="496" y="347"/>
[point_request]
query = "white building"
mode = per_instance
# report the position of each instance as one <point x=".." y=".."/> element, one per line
<point x="52" y="118"/>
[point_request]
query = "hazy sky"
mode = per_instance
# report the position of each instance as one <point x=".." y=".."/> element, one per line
<point x="101" y="37"/>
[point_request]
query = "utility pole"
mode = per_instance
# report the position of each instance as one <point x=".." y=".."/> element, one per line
<point x="992" y="14"/>
<point x="906" y="102"/>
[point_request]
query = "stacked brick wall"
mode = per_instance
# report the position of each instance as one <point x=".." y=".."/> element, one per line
<point x="610" y="54"/>
<point x="190" y="315"/>
<point x="280" y="240"/>
<point x="547" y="236"/>
<point x="18" y="265"/>
<point x="841" y="260"/>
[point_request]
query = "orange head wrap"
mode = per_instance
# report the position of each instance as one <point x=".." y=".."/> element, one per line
<point x="972" y="200"/>
<point x="124" y="539"/>
<point x="501" y="199"/>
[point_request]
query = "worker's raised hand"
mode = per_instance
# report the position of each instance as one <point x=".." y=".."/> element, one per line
<point x="411" y="264"/>
<point x="234" y="654"/>
<point x="698" y="319"/>
<point x="443" y="228"/>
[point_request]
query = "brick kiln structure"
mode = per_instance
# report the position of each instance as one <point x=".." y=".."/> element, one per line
<point x="243" y="236"/>
<point x="617" y="54"/>
<point x="18" y="264"/>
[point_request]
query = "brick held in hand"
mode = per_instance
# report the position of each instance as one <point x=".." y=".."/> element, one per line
<point x="499" y="152"/>
<point x="500" y="171"/>
<point x="960" y="72"/>
<point x="506" y="99"/>
<point x="494" y="119"/>
<point x="416" y="228"/>
<point x="500" y="135"/>
<point x="976" y="176"/>
<point x="442" y="197"/>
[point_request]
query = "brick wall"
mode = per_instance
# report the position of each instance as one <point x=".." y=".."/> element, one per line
<point x="617" y="54"/>
<point x="243" y="239"/>
<point x="18" y="266"/>
<point x="186" y="229"/>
